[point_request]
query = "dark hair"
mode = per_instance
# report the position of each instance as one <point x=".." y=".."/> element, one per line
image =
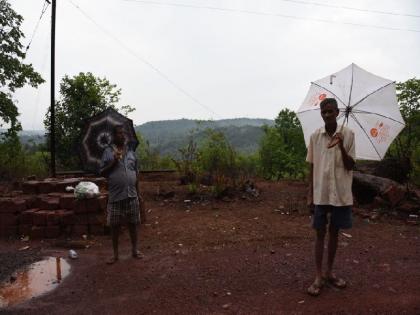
<point x="327" y="101"/>
<point x="114" y="130"/>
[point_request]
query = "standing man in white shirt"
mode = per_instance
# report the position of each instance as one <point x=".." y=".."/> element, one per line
<point x="331" y="154"/>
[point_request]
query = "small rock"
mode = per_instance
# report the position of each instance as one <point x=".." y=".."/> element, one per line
<point x="187" y="200"/>
<point x="272" y="251"/>
<point x="301" y="302"/>
<point x="391" y="289"/>
<point x="355" y="261"/>
<point x="226" y="306"/>
<point x="347" y="235"/>
<point x="73" y="254"/>
<point x="344" y="244"/>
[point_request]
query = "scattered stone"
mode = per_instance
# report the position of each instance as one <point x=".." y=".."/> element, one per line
<point x="24" y="248"/>
<point x="391" y="289"/>
<point x="301" y="302"/>
<point x="355" y="261"/>
<point x="272" y="251"/>
<point x="346" y="235"/>
<point x="226" y="306"/>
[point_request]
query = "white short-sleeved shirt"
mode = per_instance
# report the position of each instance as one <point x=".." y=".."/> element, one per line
<point x="331" y="181"/>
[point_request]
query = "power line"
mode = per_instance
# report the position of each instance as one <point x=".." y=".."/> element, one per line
<point x="143" y="60"/>
<point x="44" y="8"/>
<point x="351" y="8"/>
<point x="193" y="6"/>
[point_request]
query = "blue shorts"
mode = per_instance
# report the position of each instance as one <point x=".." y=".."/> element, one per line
<point x="340" y="217"/>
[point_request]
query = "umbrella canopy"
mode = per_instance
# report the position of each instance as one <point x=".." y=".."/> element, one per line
<point x="97" y="135"/>
<point x="367" y="103"/>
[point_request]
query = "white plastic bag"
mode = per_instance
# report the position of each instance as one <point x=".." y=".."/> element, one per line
<point x="85" y="190"/>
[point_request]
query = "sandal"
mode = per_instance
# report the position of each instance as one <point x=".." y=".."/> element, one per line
<point x="338" y="283"/>
<point x="112" y="260"/>
<point x="315" y="288"/>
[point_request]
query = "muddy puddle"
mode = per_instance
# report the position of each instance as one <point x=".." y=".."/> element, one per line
<point x="32" y="281"/>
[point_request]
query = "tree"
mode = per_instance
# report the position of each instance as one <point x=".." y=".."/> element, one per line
<point x="14" y="73"/>
<point x="282" y="148"/>
<point x="406" y="147"/>
<point x="81" y="96"/>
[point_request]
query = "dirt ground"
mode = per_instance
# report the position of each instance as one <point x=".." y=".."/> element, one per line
<point x="235" y="257"/>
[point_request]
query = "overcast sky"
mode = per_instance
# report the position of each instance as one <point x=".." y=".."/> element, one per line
<point x="176" y="62"/>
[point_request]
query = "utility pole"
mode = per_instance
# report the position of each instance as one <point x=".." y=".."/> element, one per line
<point x="52" y="108"/>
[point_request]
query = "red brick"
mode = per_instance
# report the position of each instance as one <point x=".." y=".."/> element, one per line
<point x="67" y="201"/>
<point x="8" y="219"/>
<point x="103" y="202"/>
<point x="40" y="217"/>
<point x="53" y="218"/>
<point x="12" y="205"/>
<point x="25" y="229"/>
<point x="80" y="206"/>
<point x="65" y="217"/>
<point x="49" y="203"/>
<point x="26" y="216"/>
<point x="30" y="187"/>
<point x="47" y="187"/>
<point x="31" y="202"/>
<point x="79" y="230"/>
<point x="92" y="205"/>
<point x="96" y="229"/>
<point x="97" y="219"/>
<point x="37" y="232"/>
<point x="9" y="231"/>
<point x="81" y="218"/>
<point x="52" y="231"/>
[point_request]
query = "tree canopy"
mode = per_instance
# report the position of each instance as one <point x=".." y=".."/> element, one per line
<point x="14" y="73"/>
<point x="81" y="97"/>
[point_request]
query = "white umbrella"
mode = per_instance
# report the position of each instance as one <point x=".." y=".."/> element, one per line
<point x="367" y="103"/>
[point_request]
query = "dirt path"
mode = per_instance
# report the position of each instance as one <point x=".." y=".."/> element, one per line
<point x="238" y="257"/>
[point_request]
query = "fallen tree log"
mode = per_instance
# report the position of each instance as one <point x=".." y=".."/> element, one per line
<point x="366" y="187"/>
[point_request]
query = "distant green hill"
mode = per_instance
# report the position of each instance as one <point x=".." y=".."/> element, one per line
<point x="169" y="135"/>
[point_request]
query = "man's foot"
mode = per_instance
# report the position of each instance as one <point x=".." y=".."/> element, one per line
<point x="315" y="288"/>
<point x="335" y="281"/>
<point x="137" y="254"/>
<point x="112" y="260"/>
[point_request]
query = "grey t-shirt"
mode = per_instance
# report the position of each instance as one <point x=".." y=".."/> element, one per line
<point x="122" y="179"/>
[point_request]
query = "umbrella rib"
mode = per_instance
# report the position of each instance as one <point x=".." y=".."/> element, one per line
<point x="308" y="110"/>
<point x="329" y="91"/>
<point x="372" y="113"/>
<point x="363" y="129"/>
<point x="377" y="90"/>
<point x="351" y="85"/>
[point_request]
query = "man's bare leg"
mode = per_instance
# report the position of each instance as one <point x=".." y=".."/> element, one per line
<point x="115" y="233"/>
<point x="332" y="249"/>
<point x="132" y="228"/>
<point x="316" y="286"/>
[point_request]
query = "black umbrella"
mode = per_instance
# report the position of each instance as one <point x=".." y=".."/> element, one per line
<point x="97" y="135"/>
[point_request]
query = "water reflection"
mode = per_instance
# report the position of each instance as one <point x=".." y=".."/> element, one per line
<point x="38" y="278"/>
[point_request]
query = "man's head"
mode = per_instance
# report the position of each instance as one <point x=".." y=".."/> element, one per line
<point x="329" y="110"/>
<point x="118" y="134"/>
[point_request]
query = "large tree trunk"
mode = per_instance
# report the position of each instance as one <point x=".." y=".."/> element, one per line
<point x="366" y="187"/>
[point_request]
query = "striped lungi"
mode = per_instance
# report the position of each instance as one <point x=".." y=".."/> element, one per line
<point x="123" y="211"/>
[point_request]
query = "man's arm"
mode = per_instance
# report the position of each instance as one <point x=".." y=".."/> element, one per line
<point x="108" y="164"/>
<point x="310" y="195"/>
<point x="347" y="159"/>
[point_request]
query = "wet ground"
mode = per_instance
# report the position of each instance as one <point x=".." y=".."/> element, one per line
<point x="33" y="280"/>
<point x="239" y="256"/>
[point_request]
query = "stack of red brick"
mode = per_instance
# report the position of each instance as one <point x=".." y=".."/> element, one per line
<point x="44" y="210"/>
